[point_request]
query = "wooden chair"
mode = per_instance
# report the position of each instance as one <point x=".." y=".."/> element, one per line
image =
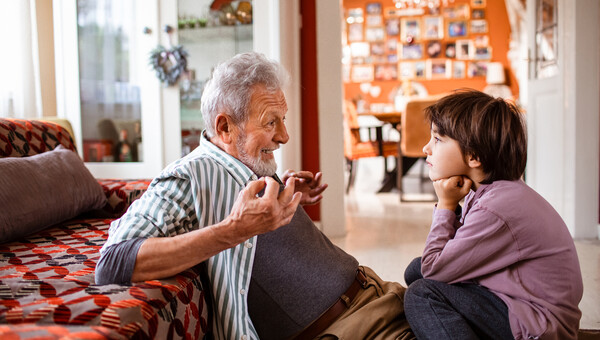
<point x="355" y="148"/>
<point x="414" y="135"/>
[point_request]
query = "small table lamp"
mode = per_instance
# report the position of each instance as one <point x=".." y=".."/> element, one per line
<point x="495" y="79"/>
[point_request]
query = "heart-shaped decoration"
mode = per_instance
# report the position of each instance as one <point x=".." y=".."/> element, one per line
<point x="169" y="65"/>
<point x="364" y="87"/>
<point x="375" y="91"/>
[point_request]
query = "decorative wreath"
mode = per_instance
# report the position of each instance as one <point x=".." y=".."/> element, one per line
<point x="169" y="65"/>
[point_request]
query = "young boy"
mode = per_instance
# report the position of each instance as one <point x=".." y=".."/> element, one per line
<point x="506" y="267"/>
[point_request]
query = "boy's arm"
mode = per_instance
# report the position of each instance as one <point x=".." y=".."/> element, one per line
<point x="482" y="245"/>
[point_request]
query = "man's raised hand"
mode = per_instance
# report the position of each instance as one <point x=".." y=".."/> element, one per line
<point x="253" y="215"/>
<point x="308" y="184"/>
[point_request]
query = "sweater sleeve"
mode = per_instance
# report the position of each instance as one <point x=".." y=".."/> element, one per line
<point x="483" y="244"/>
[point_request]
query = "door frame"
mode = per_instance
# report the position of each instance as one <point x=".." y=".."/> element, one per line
<point x="575" y="166"/>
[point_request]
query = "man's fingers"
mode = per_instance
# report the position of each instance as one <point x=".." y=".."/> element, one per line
<point x="254" y="187"/>
<point x="288" y="191"/>
<point x="271" y="189"/>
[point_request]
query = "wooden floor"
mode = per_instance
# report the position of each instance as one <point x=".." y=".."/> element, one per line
<point x="386" y="235"/>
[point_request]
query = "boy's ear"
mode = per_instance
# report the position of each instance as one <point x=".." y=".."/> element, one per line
<point x="473" y="161"/>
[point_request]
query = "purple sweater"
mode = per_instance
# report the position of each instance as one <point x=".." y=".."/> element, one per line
<point x="511" y="241"/>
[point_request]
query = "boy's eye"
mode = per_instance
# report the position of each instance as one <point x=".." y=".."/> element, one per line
<point x="437" y="139"/>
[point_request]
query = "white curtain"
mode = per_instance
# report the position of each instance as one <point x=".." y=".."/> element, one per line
<point x="19" y="93"/>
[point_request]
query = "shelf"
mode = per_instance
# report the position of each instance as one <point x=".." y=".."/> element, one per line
<point x="198" y="35"/>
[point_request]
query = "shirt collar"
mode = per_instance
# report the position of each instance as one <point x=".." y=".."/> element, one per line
<point x="237" y="169"/>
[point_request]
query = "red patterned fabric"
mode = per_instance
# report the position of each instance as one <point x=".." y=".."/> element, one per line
<point x="121" y="193"/>
<point x="33" y="331"/>
<point x="20" y="137"/>
<point x="48" y="279"/>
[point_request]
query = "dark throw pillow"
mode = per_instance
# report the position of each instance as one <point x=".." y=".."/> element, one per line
<point x="42" y="190"/>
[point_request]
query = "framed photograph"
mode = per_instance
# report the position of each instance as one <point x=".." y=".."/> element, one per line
<point x="481" y="41"/>
<point x="374" y="20"/>
<point x="464" y="49"/>
<point x="477" y="3"/>
<point x="377" y="48"/>
<point x="346" y="72"/>
<point x="411" y="51"/>
<point x="479" y="26"/>
<point x="459" y="69"/>
<point x="433" y="27"/>
<point x="374" y="34"/>
<point x="477" y="69"/>
<point x="391" y="45"/>
<point x="392" y="27"/>
<point x="420" y="69"/>
<point x="477" y="13"/>
<point x="392" y="58"/>
<point x="434" y="49"/>
<point x="457" y="29"/>
<point x="386" y="72"/>
<point x="374" y="8"/>
<point x="450" y="51"/>
<point x="390" y="12"/>
<point x="483" y="53"/>
<point x="355" y="32"/>
<point x="355" y="15"/>
<point x="456" y="12"/>
<point x="410" y="29"/>
<point x="362" y="73"/>
<point x="360" y="49"/>
<point x="438" y="68"/>
<point x="407" y="70"/>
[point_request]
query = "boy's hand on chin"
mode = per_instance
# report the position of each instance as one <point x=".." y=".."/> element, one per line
<point x="451" y="190"/>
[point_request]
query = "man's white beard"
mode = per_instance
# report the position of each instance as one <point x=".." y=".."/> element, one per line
<point x="259" y="167"/>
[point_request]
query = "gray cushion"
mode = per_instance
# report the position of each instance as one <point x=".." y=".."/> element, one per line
<point x="39" y="191"/>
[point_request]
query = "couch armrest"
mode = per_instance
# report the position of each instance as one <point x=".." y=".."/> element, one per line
<point x="121" y="193"/>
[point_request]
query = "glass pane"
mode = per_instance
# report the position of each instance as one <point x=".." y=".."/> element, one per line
<point x="110" y="91"/>
<point x="546" y="39"/>
<point x="209" y="37"/>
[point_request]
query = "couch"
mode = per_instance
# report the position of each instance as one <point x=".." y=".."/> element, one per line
<point x="54" y="218"/>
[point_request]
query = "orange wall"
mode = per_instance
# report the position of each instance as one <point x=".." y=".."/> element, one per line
<point x="498" y="31"/>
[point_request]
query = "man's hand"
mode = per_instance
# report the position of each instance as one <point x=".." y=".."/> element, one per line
<point x="253" y="215"/>
<point x="310" y="186"/>
<point x="451" y="190"/>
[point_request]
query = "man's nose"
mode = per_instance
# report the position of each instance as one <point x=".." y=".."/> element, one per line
<point x="281" y="136"/>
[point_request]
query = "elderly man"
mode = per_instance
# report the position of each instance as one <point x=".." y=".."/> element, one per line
<point x="272" y="273"/>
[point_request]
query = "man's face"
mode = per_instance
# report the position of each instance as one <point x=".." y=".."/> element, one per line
<point x="444" y="157"/>
<point x="263" y="132"/>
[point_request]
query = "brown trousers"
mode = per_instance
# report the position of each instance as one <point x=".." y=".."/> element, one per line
<point x="377" y="312"/>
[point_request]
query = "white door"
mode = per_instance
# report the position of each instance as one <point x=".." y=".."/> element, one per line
<point x="106" y="87"/>
<point x="544" y="105"/>
<point x="563" y="109"/>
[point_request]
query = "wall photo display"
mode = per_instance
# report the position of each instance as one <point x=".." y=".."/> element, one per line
<point x="389" y="44"/>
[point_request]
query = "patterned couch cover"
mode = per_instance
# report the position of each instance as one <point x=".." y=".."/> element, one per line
<point x="47" y="288"/>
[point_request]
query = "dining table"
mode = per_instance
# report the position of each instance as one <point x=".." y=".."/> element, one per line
<point x="393" y="118"/>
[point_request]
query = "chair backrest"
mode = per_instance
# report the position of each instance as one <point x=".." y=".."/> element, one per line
<point x="351" y="132"/>
<point x="24" y="137"/>
<point x="415" y="128"/>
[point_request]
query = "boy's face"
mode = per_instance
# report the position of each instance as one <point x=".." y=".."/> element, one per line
<point x="444" y="157"/>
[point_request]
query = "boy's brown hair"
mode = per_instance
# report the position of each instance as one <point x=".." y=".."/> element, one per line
<point x="490" y="129"/>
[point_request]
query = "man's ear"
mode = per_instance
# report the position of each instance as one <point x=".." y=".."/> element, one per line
<point x="224" y="128"/>
<point x="473" y="161"/>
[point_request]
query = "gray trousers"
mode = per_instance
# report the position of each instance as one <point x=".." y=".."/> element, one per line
<point x="438" y="310"/>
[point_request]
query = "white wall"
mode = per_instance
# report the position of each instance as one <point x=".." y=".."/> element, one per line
<point x="329" y="57"/>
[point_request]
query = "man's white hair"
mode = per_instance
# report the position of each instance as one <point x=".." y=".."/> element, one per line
<point x="231" y="85"/>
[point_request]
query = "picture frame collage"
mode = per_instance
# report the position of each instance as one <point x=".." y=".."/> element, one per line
<point x="387" y="44"/>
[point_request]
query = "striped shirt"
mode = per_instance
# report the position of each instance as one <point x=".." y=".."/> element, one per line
<point x="196" y="191"/>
